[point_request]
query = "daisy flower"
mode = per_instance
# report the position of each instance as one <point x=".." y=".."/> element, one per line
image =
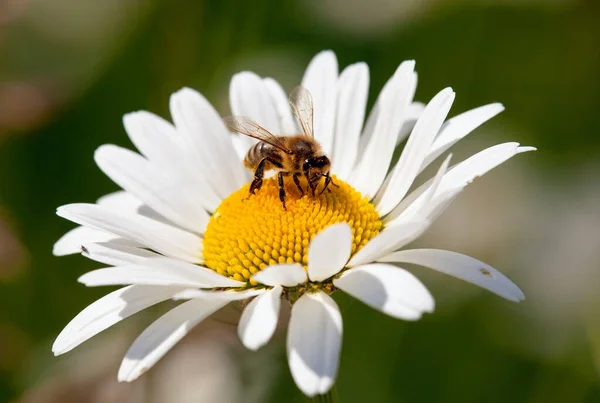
<point x="185" y="228"/>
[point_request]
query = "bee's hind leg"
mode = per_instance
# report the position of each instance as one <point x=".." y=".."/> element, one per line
<point x="281" y="188"/>
<point x="258" y="176"/>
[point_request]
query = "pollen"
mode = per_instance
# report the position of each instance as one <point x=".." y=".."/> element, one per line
<point x="247" y="233"/>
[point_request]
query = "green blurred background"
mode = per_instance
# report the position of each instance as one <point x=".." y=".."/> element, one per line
<point x="70" y="69"/>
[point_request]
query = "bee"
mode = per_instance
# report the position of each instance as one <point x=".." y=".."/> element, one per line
<point x="295" y="156"/>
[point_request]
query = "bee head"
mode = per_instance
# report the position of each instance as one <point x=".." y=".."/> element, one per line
<point x="315" y="167"/>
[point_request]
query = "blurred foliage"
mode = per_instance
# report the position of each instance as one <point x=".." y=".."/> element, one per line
<point x="541" y="59"/>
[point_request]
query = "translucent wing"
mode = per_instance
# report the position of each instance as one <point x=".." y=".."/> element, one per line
<point x="249" y="127"/>
<point x="302" y="105"/>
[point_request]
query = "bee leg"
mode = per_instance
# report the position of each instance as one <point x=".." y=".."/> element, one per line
<point x="297" y="182"/>
<point x="327" y="182"/>
<point x="258" y="176"/>
<point x="281" y="189"/>
<point x="313" y="187"/>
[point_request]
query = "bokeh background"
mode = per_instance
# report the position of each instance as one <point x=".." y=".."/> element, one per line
<point x="70" y="69"/>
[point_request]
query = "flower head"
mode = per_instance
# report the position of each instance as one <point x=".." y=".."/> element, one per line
<point x="186" y="228"/>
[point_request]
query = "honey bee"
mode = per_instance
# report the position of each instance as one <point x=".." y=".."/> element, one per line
<point x="293" y="156"/>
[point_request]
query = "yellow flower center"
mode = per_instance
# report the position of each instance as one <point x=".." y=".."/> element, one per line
<point x="250" y="232"/>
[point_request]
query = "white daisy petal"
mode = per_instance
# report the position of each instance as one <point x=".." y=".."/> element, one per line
<point x="120" y="201"/>
<point x="159" y="141"/>
<point x="115" y="254"/>
<point x="160" y="270"/>
<point x="72" y="241"/>
<point x="287" y="275"/>
<point x="413" y="113"/>
<point x="370" y="172"/>
<point x="389" y="289"/>
<point x="313" y="343"/>
<point x="329" y="251"/>
<point x="259" y="319"/>
<point x="202" y="274"/>
<point x="460" y="266"/>
<point x="287" y="124"/>
<point x="415" y="151"/>
<point x="459" y="127"/>
<point x="249" y="96"/>
<point x="389" y="240"/>
<point x="430" y="187"/>
<point x="320" y="79"/>
<point x="163" y="238"/>
<point x="164" y="195"/>
<point x="205" y="136"/>
<point x="458" y="177"/>
<point x="229" y="295"/>
<point x="125" y="275"/>
<point x="155" y="138"/>
<point x="168" y="276"/>
<point x="107" y="311"/>
<point x="352" y="92"/>
<point x="163" y="334"/>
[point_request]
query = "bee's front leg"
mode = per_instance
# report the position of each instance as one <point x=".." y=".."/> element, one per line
<point x="328" y="181"/>
<point x="297" y="182"/>
<point x="281" y="188"/>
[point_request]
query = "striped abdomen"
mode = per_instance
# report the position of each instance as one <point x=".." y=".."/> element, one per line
<point x="258" y="152"/>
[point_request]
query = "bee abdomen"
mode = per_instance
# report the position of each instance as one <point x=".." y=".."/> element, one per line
<point x="256" y="153"/>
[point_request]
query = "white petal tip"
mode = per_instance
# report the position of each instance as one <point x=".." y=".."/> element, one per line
<point x="182" y="92"/>
<point x="129" y="376"/>
<point x="524" y="149"/>
<point x="498" y="106"/>
<point x="325" y="53"/>
<point x="410" y="63"/>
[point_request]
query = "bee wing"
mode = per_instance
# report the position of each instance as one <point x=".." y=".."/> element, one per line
<point x="302" y="104"/>
<point x="249" y="127"/>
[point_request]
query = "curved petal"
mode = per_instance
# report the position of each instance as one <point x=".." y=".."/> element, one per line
<point x="227" y="295"/>
<point x="329" y="251"/>
<point x="459" y="127"/>
<point x="115" y="254"/>
<point x="259" y="319"/>
<point x="159" y="141"/>
<point x="107" y="311"/>
<point x="412" y="115"/>
<point x="352" y="92"/>
<point x="457" y="178"/>
<point x="249" y="96"/>
<point x="287" y="275"/>
<point x="314" y="342"/>
<point x="320" y="78"/>
<point x="72" y="241"/>
<point x="159" y="271"/>
<point x="460" y="266"/>
<point x="164" y="195"/>
<point x="389" y="289"/>
<point x="163" y="334"/>
<point x="368" y="175"/>
<point x="161" y="237"/>
<point x="206" y="138"/>
<point x="429" y="204"/>
<point x="415" y="151"/>
<point x="389" y="240"/>
<point x="287" y="124"/>
<point x="120" y="201"/>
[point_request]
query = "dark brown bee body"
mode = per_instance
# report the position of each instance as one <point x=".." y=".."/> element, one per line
<point x="302" y="147"/>
<point x="295" y="156"/>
